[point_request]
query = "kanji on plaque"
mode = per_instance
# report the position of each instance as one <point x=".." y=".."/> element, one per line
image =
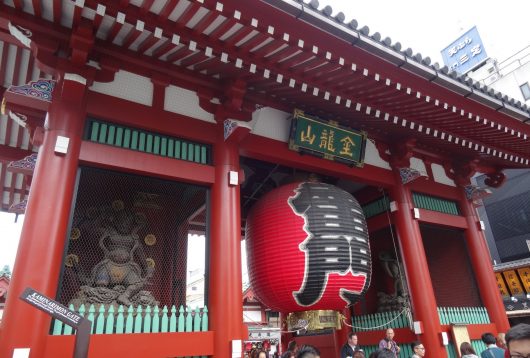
<point x="327" y="139"/>
<point x="501" y="285"/>
<point x="524" y="274"/>
<point x="514" y="285"/>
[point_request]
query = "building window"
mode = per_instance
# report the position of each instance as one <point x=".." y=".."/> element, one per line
<point x="525" y="89"/>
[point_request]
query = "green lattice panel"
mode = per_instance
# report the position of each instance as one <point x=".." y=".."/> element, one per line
<point x="148" y="142"/>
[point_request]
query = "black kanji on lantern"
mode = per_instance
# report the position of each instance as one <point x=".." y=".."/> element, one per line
<point x="337" y="240"/>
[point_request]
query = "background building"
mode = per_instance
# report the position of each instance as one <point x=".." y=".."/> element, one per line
<point x="506" y="212"/>
<point x="5" y="277"/>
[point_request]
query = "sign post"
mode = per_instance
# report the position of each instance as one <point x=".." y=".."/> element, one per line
<point x="65" y="315"/>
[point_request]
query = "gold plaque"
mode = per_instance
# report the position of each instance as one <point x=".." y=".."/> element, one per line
<point x="524" y="274"/>
<point x="501" y="285"/>
<point x="118" y="205"/>
<point x="150" y="262"/>
<point x="514" y="285"/>
<point x="314" y="320"/>
<point x="71" y="260"/>
<point x="75" y="234"/>
<point x="150" y="239"/>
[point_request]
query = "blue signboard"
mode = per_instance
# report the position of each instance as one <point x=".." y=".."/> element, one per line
<point x="465" y="53"/>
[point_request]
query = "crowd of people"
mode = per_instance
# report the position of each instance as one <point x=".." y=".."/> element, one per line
<point x="515" y="344"/>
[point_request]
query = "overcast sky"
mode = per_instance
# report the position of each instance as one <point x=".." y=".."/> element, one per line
<point x="428" y="27"/>
<point x="9" y="234"/>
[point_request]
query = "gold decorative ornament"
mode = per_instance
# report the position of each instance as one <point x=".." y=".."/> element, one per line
<point x="118" y="205"/>
<point x="314" y="320"/>
<point x="150" y="239"/>
<point x="75" y="234"/>
<point x="117" y="273"/>
<point x="71" y="260"/>
<point x="150" y="262"/>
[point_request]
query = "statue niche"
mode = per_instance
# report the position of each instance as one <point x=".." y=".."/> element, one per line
<point x="397" y="300"/>
<point x="118" y="278"/>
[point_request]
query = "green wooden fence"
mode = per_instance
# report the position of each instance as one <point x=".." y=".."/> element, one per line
<point x="380" y="321"/>
<point x="467" y="315"/>
<point x="138" y="320"/>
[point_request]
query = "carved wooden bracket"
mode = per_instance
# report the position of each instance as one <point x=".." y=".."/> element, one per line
<point x="400" y="153"/>
<point x="461" y="172"/>
<point x="495" y="179"/>
<point x="58" y="57"/>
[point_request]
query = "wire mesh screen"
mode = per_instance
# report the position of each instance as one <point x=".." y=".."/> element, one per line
<point x="135" y="241"/>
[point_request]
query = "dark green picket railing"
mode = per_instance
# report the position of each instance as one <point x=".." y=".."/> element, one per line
<point x="478" y="346"/>
<point x="376" y="207"/>
<point x="467" y="315"/>
<point x="433" y="203"/>
<point x="380" y="321"/>
<point x="138" y="320"/>
<point x="148" y="142"/>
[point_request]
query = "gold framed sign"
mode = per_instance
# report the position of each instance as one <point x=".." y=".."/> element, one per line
<point x="327" y="140"/>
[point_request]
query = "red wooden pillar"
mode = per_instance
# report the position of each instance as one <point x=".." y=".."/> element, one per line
<point x="40" y="252"/>
<point x="480" y="259"/>
<point x="417" y="271"/>
<point x="225" y="282"/>
<point x="340" y="337"/>
<point x="285" y="337"/>
<point x="346" y="329"/>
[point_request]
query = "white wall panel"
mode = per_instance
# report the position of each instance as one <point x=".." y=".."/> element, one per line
<point x="185" y="102"/>
<point x="127" y="86"/>
<point x="439" y="175"/>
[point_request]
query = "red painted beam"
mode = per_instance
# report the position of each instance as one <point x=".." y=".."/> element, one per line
<point x="105" y="156"/>
<point x="278" y="152"/>
<point x="168" y="9"/>
<point x="9" y="154"/>
<point x="139" y="116"/>
<point x="402" y="336"/>
<point x="441" y="219"/>
<point x="137" y="345"/>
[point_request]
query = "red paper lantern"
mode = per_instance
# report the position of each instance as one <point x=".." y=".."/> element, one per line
<point x="307" y="248"/>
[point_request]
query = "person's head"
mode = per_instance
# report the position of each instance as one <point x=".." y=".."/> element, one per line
<point x="352" y="339"/>
<point x="308" y="351"/>
<point x="501" y="340"/>
<point x="262" y="354"/>
<point x="358" y="354"/>
<point x="390" y="334"/>
<point x="466" y="348"/>
<point x="288" y="354"/>
<point x="518" y="340"/>
<point x="292" y="346"/>
<point x="418" y="349"/>
<point x="488" y="338"/>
